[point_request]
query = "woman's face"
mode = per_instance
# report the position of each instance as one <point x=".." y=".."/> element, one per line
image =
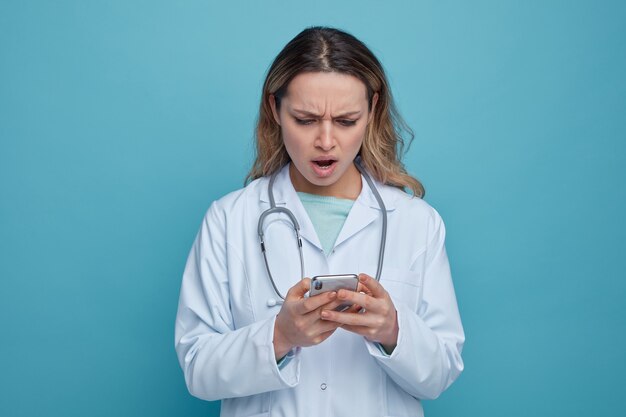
<point x="323" y="117"/>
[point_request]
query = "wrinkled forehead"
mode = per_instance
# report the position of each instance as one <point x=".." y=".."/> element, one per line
<point x="326" y="91"/>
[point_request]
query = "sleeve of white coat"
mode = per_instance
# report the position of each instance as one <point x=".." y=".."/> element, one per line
<point x="218" y="360"/>
<point x="427" y="358"/>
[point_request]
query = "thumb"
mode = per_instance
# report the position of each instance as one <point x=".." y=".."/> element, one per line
<point x="297" y="291"/>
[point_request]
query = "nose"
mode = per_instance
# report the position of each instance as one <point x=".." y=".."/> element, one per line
<point x="325" y="138"/>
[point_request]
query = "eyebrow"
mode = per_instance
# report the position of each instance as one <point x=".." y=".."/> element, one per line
<point x="311" y="114"/>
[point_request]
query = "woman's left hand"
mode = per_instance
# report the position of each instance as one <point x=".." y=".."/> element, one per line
<point x="378" y="323"/>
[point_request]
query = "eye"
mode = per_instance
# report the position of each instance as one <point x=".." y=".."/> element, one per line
<point x="346" y="122"/>
<point x="303" y="121"/>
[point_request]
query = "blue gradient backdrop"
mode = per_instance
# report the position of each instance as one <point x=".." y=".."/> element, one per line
<point x="120" y="122"/>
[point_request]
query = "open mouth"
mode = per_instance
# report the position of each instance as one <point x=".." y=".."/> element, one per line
<point x="325" y="163"/>
<point x="324" y="167"/>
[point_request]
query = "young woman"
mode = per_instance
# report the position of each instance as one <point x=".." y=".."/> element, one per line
<point x="328" y="195"/>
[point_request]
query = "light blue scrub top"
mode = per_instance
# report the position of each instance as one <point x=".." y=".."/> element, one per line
<point x="328" y="214"/>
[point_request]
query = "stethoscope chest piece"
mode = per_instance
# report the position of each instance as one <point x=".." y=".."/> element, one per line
<point x="272" y="302"/>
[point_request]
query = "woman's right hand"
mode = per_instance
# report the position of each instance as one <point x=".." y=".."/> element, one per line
<point x="299" y="321"/>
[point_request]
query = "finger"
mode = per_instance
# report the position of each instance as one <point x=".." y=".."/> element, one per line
<point x="362" y="288"/>
<point x="313" y="303"/>
<point x="361" y="299"/>
<point x="325" y="326"/>
<point x="374" y="286"/>
<point x="355" y="308"/>
<point x="332" y="305"/>
<point x="350" y="319"/>
<point x="315" y="326"/>
<point x="297" y="291"/>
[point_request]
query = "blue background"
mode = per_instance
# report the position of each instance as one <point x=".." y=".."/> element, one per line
<point x="120" y="122"/>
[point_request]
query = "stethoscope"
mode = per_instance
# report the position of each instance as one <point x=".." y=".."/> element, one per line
<point x="296" y="227"/>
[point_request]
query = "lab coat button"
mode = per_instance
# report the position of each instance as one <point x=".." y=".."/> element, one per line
<point x="323" y="386"/>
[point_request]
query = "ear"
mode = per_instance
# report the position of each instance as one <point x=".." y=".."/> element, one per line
<point x="373" y="108"/>
<point x="272" y="101"/>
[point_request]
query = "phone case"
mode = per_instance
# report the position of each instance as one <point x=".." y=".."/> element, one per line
<point x="324" y="283"/>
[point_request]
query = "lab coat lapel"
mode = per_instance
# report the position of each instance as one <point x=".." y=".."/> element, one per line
<point x="285" y="195"/>
<point x="359" y="217"/>
<point x="364" y="211"/>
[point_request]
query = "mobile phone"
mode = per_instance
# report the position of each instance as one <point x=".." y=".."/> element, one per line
<point x="324" y="283"/>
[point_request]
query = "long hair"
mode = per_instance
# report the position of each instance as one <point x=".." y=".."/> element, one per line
<point x="322" y="49"/>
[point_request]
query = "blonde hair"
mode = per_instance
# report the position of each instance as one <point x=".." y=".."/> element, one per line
<point x="322" y="49"/>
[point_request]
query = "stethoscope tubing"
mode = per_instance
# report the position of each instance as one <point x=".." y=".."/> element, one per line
<point x="381" y="203"/>
<point x="296" y="226"/>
